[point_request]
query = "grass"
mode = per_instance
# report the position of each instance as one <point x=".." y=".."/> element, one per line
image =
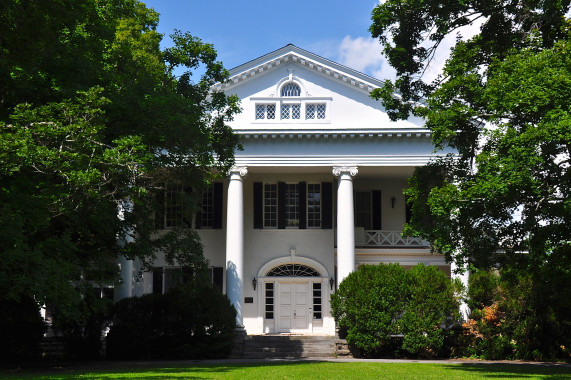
<point x="296" y="370"/>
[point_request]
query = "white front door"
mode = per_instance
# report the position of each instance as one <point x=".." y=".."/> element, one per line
<point x="294" y="309"/>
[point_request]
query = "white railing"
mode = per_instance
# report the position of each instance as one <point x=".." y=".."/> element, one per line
<point x="383" y="238"/>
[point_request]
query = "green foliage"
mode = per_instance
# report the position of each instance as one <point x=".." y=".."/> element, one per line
<point x="82" y="327"/>
<point x="91" y="114"/>
<point x="430" y="312"/>
<point x="376" y="304"/>
<point x="184" y="323"/>
<point x="513" y="317"/>
<point x="21" y="328"/>
<point x="503" y="102"/>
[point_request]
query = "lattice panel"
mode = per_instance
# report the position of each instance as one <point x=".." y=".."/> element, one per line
<point x="321" y="111"/>
<point x="291" y="89"/>
<point x="260" y="111"/>
<point x="295" y="111"/>
<point x="271" y="111"/>
<point x="310" y="111"/>
<point x="286" y="108"/>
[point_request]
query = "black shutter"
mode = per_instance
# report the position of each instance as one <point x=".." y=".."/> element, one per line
<point x="160" y="207"/>
<point x="198" y="215"/>
<point x="281" y="205"/>
<point x="258" y="205"/>
<point x="376" y="209"/>
<point x="217" y="277"/>
<point x="186" y="209"/>
<point x="327" y="205"/>
<point x="218" y="205"/>
<point x="408" y="209"/>
<point x="302" y="207"/>
<point x="158" y="280"/>
<point x="187" y="275"/>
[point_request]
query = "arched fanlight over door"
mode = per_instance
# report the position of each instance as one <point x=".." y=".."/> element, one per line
<point x="293" y="270"/>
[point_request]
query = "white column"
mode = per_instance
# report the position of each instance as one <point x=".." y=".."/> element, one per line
<point x="462" y="274"/>
<point x="235" y="241"/>
<point x="345" y="221"/>
<point x="125" y="289"/>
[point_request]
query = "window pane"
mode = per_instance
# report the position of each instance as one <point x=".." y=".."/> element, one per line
<point x="270" y="205"/>
<point x="363" y="209"/>
<point x="286" y="110"/>
<point x="321" y="111"/>
<point x="174" y="206"/>
<point x="317" y="301"/>
<point x="314" y="205"/>
<point x="295" y="111"/>
<point x="271" y="111"/>
<point x="269" y="300"/>
<point x="260" y="111"/>
<point x="310" y="111"/>
<point x="292" y="205"/>
<point x="207" y="216"/>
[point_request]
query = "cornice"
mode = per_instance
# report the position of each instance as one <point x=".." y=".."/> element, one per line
<point x="330" y="134"/>
<point x="303" y="58"/>
<point x="332" y="160"/>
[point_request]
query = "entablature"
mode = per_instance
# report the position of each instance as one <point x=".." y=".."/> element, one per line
<point x="314" y="134"/>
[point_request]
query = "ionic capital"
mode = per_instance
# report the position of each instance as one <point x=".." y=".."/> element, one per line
<point x="351" y="170"/>
<point x="237" y="171"/>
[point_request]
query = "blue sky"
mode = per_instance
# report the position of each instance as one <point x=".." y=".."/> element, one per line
<point x="244" y="30"/>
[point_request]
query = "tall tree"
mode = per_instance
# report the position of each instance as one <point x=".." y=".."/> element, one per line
<point x="92" y="120"/>
<point x="503" y="102"/>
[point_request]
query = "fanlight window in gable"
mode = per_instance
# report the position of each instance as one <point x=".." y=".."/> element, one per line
<point x="291" y="89"/>
<point x="293" y="270"/>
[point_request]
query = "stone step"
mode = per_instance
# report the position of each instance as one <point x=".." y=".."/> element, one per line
<point x="278" y="346"/>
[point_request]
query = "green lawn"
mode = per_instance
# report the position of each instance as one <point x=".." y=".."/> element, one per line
<point x="300" y="370"/>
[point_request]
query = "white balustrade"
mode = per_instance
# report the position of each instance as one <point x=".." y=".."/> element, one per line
<point x="384" y="238"/>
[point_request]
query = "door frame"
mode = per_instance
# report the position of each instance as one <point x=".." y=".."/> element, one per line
<point x="272" y="326"/>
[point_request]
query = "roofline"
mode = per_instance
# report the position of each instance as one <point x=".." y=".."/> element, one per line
<point x="292" y="48"/>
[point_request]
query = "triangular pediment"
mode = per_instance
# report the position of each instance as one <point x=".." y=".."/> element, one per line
<point x="291" y="54"/>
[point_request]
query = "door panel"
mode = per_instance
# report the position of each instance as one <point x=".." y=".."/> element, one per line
<point x="294" y="316"/>
<point x="301" y="312"/>
<point x="285" y="307"/>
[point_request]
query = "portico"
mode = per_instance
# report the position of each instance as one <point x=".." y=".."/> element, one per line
<point x="315" y="193"/>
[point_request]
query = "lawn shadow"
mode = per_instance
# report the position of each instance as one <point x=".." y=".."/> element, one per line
<point x="141" y="370"/>
<point x="514" y="370"/>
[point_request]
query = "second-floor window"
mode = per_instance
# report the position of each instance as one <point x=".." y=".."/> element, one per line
<point x="368" y="209"/>
<point x="265" y="111"/>
<point x="290" y="111"/>
<point x="315" y="111"/>
<point x="293" y="205"/>
<point x="178" y="204"/>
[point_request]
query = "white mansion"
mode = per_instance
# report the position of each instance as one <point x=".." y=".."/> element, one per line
<point x="316" y="192"/>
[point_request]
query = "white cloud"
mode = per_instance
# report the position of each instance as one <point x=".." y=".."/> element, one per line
<point x="364" y="54"/>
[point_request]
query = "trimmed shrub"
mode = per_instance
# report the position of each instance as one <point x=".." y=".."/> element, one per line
<point x="368" y="307"/>
<point x="82" y="326"/>
<point x="430" y="313"/>
<point x="21" y="328"/>
<point x="184" y="323"/>
<point x="382" y="310"/>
